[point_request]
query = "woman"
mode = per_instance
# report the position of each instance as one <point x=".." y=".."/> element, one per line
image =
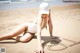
<point x="32" y="28"/>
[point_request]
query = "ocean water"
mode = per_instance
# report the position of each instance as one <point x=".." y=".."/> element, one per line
<point x="17" y="5"/>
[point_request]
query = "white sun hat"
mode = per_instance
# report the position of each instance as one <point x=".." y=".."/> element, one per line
<point x="44" y="8"/>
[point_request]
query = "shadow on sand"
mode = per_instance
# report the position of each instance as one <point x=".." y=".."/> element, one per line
<point x="9" y="41"/>
<point x="53" y="43"/>
<point x="57" y="41"/>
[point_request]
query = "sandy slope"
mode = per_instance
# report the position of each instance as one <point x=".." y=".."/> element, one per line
<point x="66" y="24"/>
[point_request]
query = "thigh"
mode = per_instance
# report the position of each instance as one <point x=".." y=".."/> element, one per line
<point x="20" y="29"/>
<point x="27" y="37"/>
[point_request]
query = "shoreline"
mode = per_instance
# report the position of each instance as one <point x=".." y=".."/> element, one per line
<point x="13" y="6"/>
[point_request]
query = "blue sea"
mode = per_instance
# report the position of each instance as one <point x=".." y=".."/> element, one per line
<point x="18" y="5"/>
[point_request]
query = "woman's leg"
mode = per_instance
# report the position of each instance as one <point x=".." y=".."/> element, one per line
<point x="20" y="29"/>
<point x="27" y="37"/>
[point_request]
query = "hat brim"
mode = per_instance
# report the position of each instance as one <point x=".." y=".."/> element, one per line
<point x="44" y="12"/>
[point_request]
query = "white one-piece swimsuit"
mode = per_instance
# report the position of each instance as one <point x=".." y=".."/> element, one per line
<point x="32" y="27"/>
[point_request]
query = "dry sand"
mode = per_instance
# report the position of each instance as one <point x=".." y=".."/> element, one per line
<point x="66" y="25"/>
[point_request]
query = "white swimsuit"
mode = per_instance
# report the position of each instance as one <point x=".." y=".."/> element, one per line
<point x="32" y="27"/>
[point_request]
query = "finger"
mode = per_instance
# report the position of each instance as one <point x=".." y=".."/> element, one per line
<point x="41" y="51"/>
<point x="36" y="51"/>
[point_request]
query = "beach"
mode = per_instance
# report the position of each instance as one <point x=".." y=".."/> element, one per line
<point x="66" y="25"/>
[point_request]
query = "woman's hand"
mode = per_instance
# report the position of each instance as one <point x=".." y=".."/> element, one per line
<point x="39" y="50"/>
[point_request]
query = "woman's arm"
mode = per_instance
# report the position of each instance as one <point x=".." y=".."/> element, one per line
<point x="40" y="49"/>
<point x="50" y="24"/>
<point x="39" y="31"/>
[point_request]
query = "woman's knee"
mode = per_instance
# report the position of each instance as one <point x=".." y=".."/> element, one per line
<point x="27" y="37"/>
<point x="23" y="40"/>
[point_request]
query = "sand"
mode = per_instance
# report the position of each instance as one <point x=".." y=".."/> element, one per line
<point x="66" y="25"/>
